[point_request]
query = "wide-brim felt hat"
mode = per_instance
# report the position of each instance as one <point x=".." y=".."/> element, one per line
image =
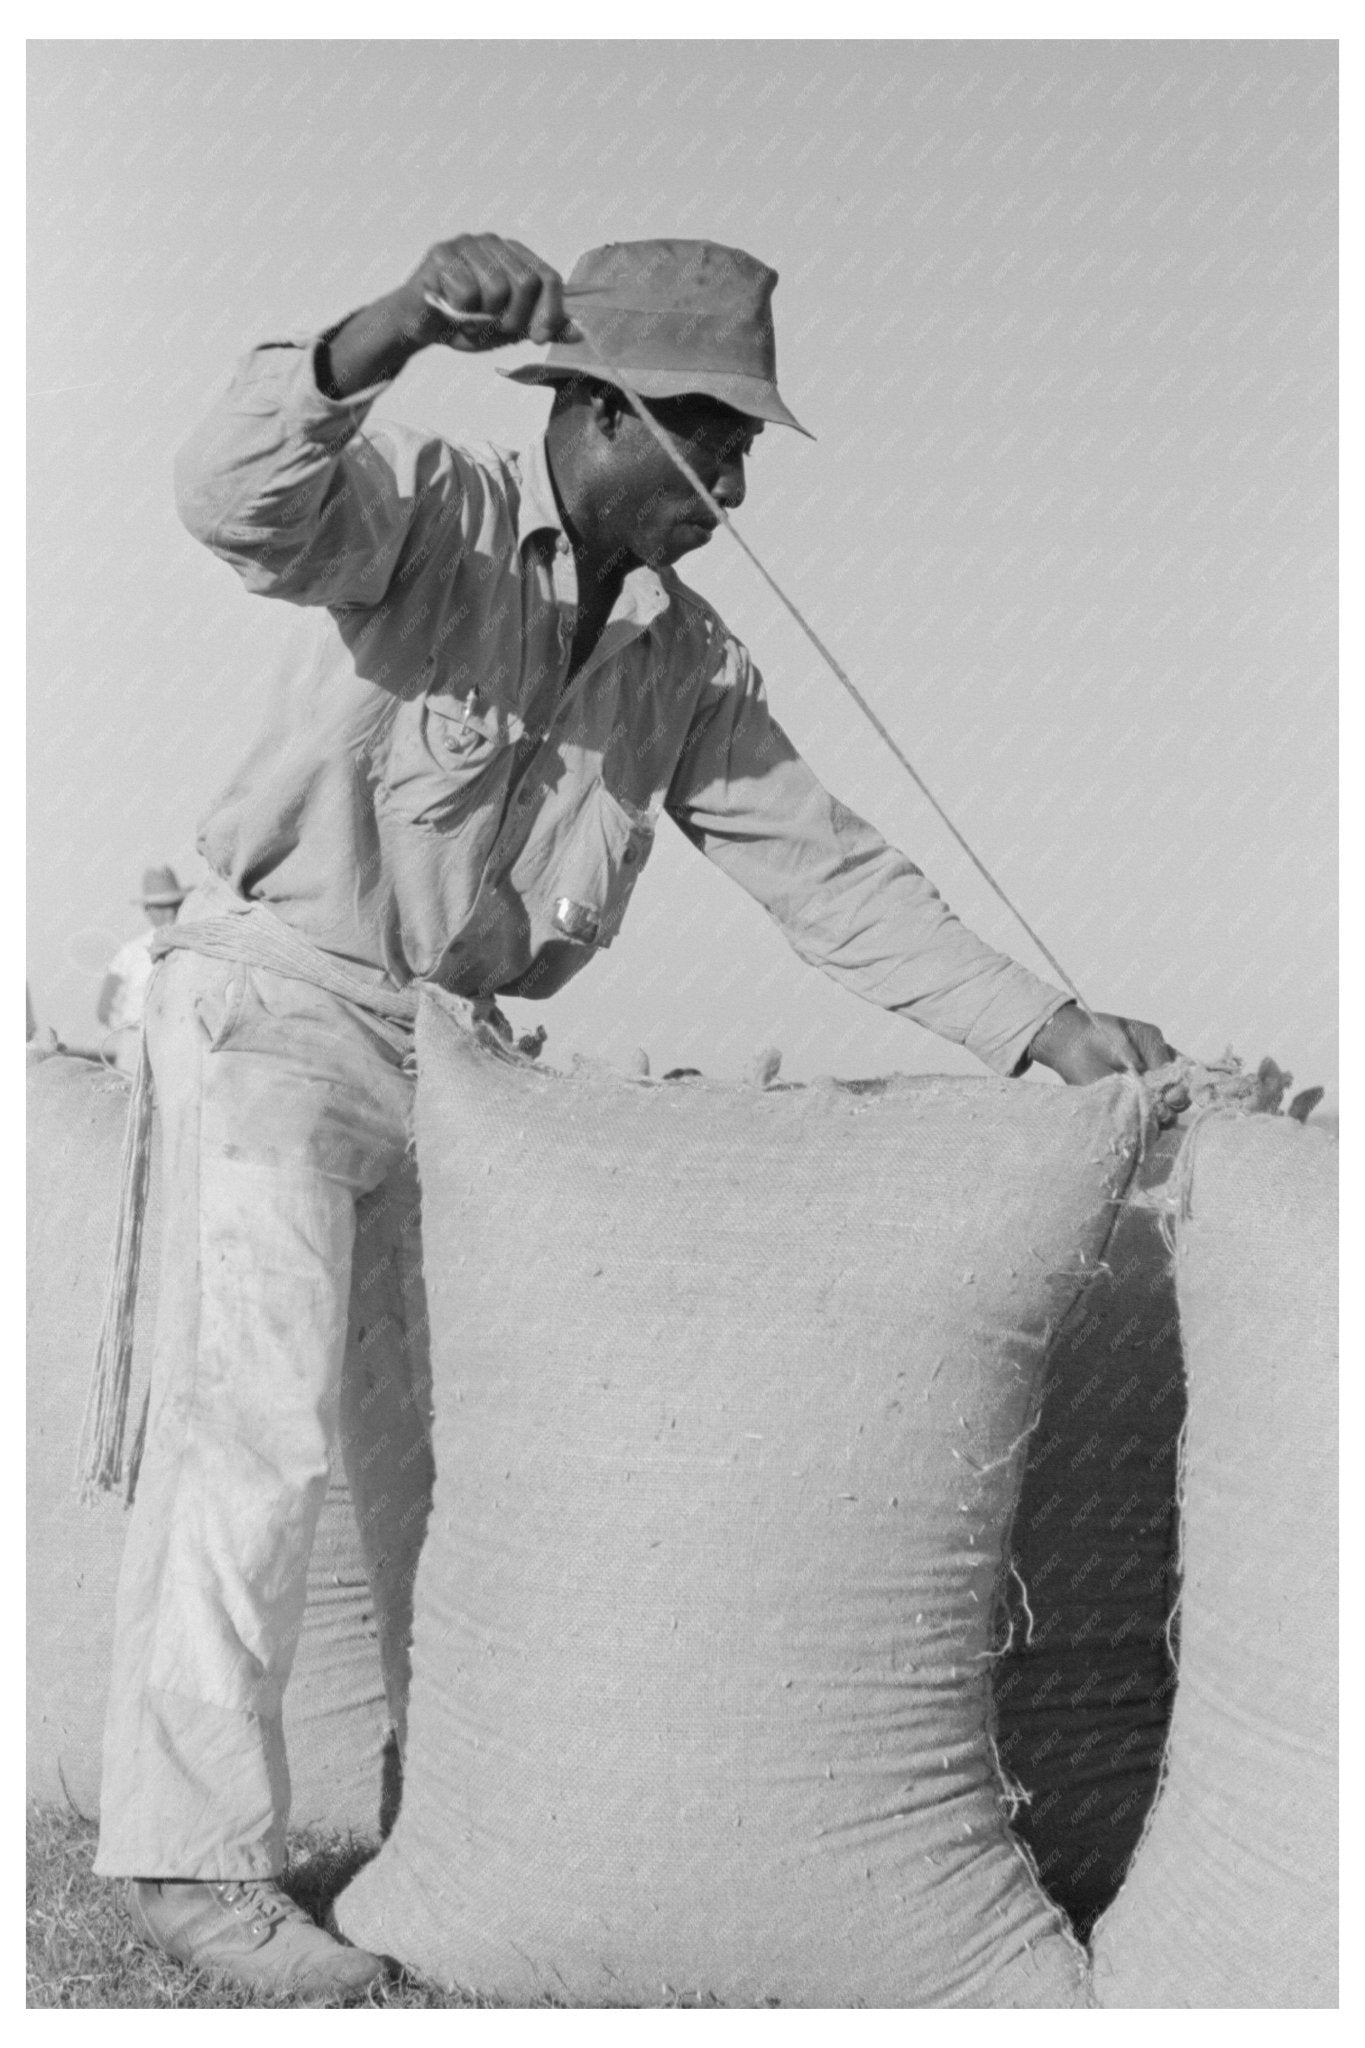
<point x="670" y="318"/>
<point x="160" y="889"/>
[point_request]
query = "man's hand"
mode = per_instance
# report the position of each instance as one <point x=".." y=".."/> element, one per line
<point x="504" y="282"/>
<point x="1082" y="1048"/>
<point x="109" y="988"/>
<point x="515" y="295"/>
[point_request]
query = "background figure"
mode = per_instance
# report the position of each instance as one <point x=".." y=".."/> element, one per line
<point x="124" y="992"/>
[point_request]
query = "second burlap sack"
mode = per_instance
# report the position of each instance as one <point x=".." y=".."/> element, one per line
<point x="1231" y="1900"/>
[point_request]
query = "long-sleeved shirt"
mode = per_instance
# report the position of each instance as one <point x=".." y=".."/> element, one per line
<point x="434" y="798"/>
<point x="126" y="982"/>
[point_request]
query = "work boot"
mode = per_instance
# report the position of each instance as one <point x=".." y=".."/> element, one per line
<point x="252" y="1931"/>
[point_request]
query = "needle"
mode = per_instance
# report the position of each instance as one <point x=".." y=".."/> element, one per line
<point x="485" y="322"/>
<point x="454" y="314"/>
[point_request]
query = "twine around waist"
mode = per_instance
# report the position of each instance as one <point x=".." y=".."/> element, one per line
<point x="255" y="937"/>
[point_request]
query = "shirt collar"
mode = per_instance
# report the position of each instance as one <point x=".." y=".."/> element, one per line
<point x="644" y="595"/>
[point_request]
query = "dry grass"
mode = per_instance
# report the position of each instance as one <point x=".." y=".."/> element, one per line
<point x="82" y="1951"/>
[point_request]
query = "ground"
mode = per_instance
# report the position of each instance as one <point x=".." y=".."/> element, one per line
<point x="81" y="1950"/>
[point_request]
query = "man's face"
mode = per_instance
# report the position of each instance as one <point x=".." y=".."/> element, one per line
<point x="656" y="515"/>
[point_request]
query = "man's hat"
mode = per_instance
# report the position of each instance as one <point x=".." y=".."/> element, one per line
<point x="672" y="318"/>
<point x="160" y="890"/>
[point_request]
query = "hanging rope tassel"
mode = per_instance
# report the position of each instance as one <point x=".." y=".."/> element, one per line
<point x="253" y="936"/>
<point x="100" y="1461"/>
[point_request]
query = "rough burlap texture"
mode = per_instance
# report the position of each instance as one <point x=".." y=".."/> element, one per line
<point x="336" y="1711"/>
<point x="1083" y="1691"/>
<point x="730" y="1392"/>
<point x="1231" y="1901"/>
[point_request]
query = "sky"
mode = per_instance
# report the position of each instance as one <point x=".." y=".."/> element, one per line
<point x="1061" y="316"/>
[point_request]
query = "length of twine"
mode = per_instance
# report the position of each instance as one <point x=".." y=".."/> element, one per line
<point x="680" y="462"/>
<point x="841" y="675"/>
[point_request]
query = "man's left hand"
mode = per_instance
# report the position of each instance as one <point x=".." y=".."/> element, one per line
<point x="1084" y="1048"/>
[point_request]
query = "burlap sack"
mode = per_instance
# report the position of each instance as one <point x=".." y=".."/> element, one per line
<point x="1231" y="1901"/>
<point x="337" y="1715"/>
<point x="1083" y="1690"/>
<point x="730" y="1392"/>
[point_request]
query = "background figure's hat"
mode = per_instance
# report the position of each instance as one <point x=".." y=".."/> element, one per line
<point x="672" y="317"/>
<point x="160" y="889"/>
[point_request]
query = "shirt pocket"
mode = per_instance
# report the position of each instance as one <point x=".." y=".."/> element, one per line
<point x="441" y="756"/>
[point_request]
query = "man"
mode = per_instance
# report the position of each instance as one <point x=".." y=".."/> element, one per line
<point x="507" y="685"/>
<point x="123" y="992"/>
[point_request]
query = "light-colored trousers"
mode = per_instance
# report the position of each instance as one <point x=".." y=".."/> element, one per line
<point x="279" y="1107"/>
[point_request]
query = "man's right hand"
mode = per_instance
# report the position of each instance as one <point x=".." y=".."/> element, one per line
<point x="517" y="296"/>
<point x="503" y="281"/>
